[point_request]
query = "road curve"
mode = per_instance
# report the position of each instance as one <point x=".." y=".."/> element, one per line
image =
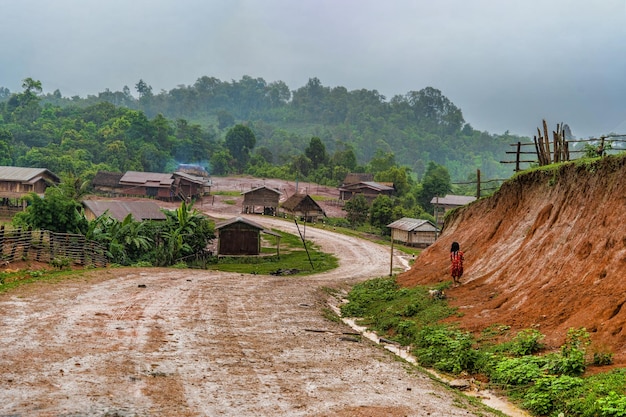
<point x="171" y="342"/>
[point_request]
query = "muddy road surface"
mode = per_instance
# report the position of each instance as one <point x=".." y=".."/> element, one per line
<point x="171" y="342"/>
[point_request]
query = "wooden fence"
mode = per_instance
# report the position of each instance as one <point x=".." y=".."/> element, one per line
<point x="545" y="151"/>
<point x="18" y="244"/>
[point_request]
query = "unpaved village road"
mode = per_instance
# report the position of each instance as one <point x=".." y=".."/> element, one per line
<point x="169" y="342"/>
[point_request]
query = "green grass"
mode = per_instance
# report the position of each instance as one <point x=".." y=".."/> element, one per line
<point x="227" y="193"/>
<point x="292" y="257"/>
<point x="14" y="279"/>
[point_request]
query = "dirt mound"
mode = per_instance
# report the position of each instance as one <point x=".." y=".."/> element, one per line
<point x="547" y="251"/>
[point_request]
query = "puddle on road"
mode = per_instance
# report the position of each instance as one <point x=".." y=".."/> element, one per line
<point x="485" y="396"/>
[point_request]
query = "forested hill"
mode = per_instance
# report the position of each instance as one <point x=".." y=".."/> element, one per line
<point x="417" y="128"/>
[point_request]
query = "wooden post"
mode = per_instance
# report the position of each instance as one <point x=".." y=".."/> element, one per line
<point x="517" y="156"/>
<point x="478" y="182"/>
<point x="391" y="261"/>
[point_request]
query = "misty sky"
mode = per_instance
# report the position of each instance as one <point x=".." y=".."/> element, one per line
<point x="507" y="64"/>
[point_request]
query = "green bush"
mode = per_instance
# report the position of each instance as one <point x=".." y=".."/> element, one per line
<point x="527" y="342"/>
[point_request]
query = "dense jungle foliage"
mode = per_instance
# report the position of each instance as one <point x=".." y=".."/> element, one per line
<point x="117" y="131"/>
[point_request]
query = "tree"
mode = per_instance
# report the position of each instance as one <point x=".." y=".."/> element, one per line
<point x="55" y="212"/>
<point x="240" y="140"/>
<point x="381" y="212"/>
<point x="436" y="183"/>
<point x="316" y="152"/>
<point x="357" y="209"/>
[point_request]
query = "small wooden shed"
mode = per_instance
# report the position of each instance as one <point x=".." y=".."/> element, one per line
<point x="263" y="198"/>
<point x="414" y="232"/>
<point x="304" y="207"/>
<point x="239" y="236"/>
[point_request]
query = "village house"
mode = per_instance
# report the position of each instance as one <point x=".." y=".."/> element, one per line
<point x="264" y="198"/>
<point x="241" y="237"/>
<point x="442" y="205"/>
<point x="369" y="189"/>
<point x="302" y="206"/>
<point x="18" y="182"/>
<point x="179" y="185"/>
<point x="414" y="232"/>
<point x="119" y="210"/>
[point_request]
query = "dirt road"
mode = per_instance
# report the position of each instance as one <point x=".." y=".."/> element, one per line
<point x="169" y="342"/>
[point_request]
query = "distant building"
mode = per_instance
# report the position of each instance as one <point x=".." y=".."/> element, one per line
<point x="179" y="185"/>
<point x="369" y="189"/>
<point x="151" y="184"/>
<point x="118" y="210"/>
<point x="444" y="204"/>
<point x="18" y="182"/>
<point x="414" y="232"/>
<point x="264" y="199"/>
<point x="304" y="207"/>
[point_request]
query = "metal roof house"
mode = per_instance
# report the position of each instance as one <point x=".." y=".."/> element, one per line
<point x="151" y="184"/>
<point x="444" y="204"/>
<point x="239" y="236"/>
<point x="414" y="232"/>
<point x="263" y="197"/>
<point x="190" y="186"/>
<point x="17" y="182"/>
<point x="369" y="189"/>
<point x="303" y="206"/>
<point x="139" y="210"/>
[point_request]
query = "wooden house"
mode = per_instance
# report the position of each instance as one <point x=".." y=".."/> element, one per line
<point x="18" y="182"/>
<point x="106" y="182"/>
<point x="304" y="207"/>
<point x="369" y="189"/>
<point x="414" y="232"/>
<point x="441" y="205"/>
<point x="263" y="198"/>
<point x="150" y="184"/>
<point x="239" y="236"/>
<point x="188" y="186"/>
<point x="139" y="210"/>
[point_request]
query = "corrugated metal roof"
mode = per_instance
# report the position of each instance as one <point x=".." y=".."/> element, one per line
<point x="260" y="188"/>
<point x="453" y="200"/>
<point x="23" y="174"/>
<point x="193" y="178"/>
<point x="366" y="184"/>
<point x="301" y="201"/>
<point x="249" y="222"/>
<point x="152" y="179"/>
<point x="140" y="210"/>
<point x="408" y="224"/>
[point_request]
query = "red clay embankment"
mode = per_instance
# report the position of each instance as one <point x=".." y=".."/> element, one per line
<point x="547" y="251"/>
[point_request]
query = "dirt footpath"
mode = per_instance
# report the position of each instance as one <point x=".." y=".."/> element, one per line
<point x="169" y="342"/>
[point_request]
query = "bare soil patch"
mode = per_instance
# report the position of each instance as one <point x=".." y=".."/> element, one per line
<point x="547" y="252"/>
<point x="169" y="342"/>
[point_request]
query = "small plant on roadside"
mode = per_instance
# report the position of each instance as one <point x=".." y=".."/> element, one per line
<point x="527" y="342"/>
<point x="602" y="358"/>
<point x="61" y="262"/>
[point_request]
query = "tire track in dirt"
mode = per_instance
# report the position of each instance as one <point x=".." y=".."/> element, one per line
<point x="199" y="343"/>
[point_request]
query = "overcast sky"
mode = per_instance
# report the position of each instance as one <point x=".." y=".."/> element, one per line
<point x="507" y="64"/>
